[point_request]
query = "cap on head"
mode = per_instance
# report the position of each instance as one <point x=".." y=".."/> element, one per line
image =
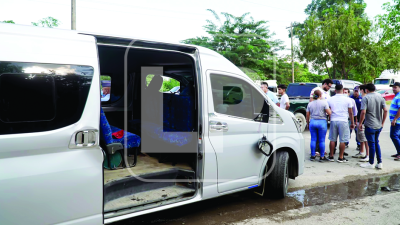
<point x="397" y="84"/>
<point x="106" y="83"/>
<point x="356" y="88"/>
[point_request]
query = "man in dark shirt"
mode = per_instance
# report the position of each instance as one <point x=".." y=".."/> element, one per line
<point x="357" y="98"/>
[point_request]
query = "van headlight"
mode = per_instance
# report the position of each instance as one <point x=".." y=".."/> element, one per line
<point x="298" y="126"/>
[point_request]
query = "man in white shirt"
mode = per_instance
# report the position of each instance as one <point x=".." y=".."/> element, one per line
<point x="284" y="104"/>
<point x="272" y="96"/>
<point x="346" y="91"/>
<point x="342" y="110"/>
<point x="326" y="86"/>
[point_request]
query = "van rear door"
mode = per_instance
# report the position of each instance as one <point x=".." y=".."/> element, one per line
<point x="50" y="160"/>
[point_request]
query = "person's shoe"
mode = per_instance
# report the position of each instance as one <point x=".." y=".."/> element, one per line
<point x="394" y="156"/>
<point x="379" y="166"/>
<point x="324" y="159"/>
<point x="365" y="159"/>
<point x="367" y="165"/>
<point x="358" y="147"/>
<point x="345" y="154"/>
<point x="397" y="158"/>
<point x="343" y="160"/>
<point x="331" y="159"/>
<point x="312" y="158"/>
<point x="359" y="155"/>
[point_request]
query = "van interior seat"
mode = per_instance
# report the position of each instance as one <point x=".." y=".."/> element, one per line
<point x="133" y="140"/>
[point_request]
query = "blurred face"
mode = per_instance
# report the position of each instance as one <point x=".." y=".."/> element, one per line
<point x="346" y="92"/>
<point x="396" y="89"/>
<point x="106" y="90"/>
<point x="281" y="91"/>
<point x="264" y="88"/>
<point x="326" y="86"/>
<point x="356" y="93"/>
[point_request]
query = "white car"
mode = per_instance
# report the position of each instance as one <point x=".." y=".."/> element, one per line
<point x="66" y="157"/>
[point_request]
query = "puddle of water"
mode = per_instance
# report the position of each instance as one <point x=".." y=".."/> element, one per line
<point x="244" y="205"/>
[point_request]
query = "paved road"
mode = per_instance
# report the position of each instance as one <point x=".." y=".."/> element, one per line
<point x="318" y="174"/>
<point x="247" y="208"/>
<point x="379" y="209"/>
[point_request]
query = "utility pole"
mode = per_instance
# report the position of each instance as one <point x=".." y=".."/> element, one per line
<point x="291" y="36"/>
<point x="73" y="14"/>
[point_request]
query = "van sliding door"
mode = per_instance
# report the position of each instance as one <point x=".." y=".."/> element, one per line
<point x="50" y="161"/>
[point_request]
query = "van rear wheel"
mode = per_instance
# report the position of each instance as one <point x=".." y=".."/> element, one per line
<point x="277" y="182"/>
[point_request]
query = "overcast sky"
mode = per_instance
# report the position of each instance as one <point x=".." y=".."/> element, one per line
<point x="166" y="20"/>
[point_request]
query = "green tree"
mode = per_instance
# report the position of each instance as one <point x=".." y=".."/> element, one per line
<point x="336" y="40"/>
<point x="49" y="22"/>
<point x="7" y="21"/>
<point x="242" y="40"/>
<point x="390" y="22"/>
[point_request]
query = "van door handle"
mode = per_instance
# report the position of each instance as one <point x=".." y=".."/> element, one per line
<point x="84" y="138"/>
<point x="218" y="126"/>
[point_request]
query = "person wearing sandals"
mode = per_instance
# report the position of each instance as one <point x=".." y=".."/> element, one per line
<point x="316" y="111"/>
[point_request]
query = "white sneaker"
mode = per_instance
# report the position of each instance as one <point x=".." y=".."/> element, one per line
<point x="366" y="159"/>
<point x="367" y="166"/>
<point x="359" y="155"/>
<point x="379" y="166"/>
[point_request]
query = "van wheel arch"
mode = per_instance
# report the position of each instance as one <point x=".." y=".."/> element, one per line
<point x="293" y="162"/>
<point x="293" y="170"/>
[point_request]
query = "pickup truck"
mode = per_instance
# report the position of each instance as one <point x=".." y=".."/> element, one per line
<point x="299" y="97"/>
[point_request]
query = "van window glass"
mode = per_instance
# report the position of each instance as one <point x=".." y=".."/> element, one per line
<point x="105" y="91"/>
<point x="170" y="85"/>
<point x="261" y="107"/>
<point x="232" y="96"/>
<point x="36" y="97"/>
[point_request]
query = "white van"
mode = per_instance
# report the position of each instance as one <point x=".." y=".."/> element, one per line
<point x="386" y="79"/>
<point x="88" y="137"/>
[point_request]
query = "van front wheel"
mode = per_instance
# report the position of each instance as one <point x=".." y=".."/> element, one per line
<point x="277" y="182"/>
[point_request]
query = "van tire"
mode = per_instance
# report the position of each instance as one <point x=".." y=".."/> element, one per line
<point x="302" y="120"/>
<point x="277" y="182"/>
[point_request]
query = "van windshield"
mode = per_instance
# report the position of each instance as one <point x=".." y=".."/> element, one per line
<point x="382" y="81"/>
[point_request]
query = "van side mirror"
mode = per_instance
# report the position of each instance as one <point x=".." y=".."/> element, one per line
<point x="232" y="95"/>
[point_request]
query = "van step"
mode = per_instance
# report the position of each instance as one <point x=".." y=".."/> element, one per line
<point x="147" y="197"/>
<point x="133" y="185"/>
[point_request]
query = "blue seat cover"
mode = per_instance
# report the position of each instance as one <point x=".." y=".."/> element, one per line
<point x="132" y="140"/>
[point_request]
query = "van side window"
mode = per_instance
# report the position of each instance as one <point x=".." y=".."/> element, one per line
<point x="232" y="96"/>
<point x="37" y="97"/>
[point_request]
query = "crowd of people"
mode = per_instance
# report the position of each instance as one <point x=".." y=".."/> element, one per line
<point x="363" y="112"/>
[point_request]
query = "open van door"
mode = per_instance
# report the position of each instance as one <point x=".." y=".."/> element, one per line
<point x="50" y="160"/>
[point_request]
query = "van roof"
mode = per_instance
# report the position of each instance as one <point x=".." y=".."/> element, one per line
<point x="210" y="59"/>
<point x="389" y="74"/>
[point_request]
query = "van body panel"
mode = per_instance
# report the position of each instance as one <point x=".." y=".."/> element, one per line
<point x="42" y="180"/>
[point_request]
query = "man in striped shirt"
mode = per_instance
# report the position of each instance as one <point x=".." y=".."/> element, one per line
<point x="394" y="114"/>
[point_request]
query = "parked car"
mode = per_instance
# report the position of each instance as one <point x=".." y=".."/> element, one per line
<point x="299" y="96"/>
<point x="388" y="95"/>
<point x="61" y="150"/>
